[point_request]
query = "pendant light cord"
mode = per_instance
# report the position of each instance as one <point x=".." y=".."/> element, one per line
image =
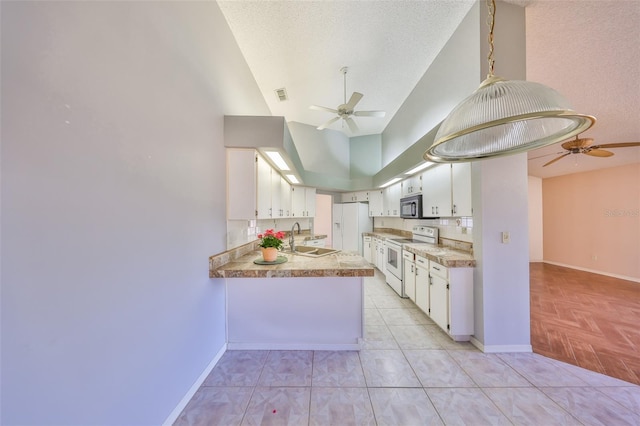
<point x="491" y="21"/>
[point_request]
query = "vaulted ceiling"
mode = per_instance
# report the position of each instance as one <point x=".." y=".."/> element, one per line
<point x="589" y="51"/>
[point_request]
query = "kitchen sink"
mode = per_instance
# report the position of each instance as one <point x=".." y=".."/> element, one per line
<point x="315" y="251"/>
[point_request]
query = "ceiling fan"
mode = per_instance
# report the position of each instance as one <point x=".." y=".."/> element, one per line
<point x="584" y="146"/>
<point x="346" y="110"/>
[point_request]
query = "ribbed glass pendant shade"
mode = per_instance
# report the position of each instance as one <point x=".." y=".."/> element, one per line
<point x="505" y="117"/>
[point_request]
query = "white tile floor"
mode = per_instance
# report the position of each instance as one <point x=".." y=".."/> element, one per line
<point x="408" y="373"/>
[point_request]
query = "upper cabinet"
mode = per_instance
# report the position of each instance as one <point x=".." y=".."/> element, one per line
<point x="391" y="199"/>
<point x="353" y="197"/>
<point x="412" y="185"/>
<point x="446" y="190"/>
<point x="303" y="201"/>
<point x="256" y="191"/>
<point x="436" y="191"/>
<point x="241" y="173"/>
<point x="461" y="189"/>
<point x="376" y="207"/>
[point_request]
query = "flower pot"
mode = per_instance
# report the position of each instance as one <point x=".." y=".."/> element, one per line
<point x="269" y="254"/>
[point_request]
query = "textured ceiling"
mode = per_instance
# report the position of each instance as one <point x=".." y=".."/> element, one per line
<point x="589" y="51"/>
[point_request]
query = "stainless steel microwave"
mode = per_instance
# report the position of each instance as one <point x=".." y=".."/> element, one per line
<point x="411" y="207"/>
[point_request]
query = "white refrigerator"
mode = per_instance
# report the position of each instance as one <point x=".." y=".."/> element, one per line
<point x="350" y="220"/>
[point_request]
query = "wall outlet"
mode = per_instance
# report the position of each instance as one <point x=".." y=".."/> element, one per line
<point x="594" y="257"/>
<point x="506" y="238"/>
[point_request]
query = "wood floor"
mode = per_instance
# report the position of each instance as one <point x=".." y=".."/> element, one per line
<point x="586" y="319"/>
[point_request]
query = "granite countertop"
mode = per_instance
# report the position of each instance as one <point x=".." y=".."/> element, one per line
<point x="444" y="255"/>
<point x="340" y="264"/>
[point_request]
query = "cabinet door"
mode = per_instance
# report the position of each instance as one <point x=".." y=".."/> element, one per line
<point x="461" y="189"/>
<point x="422" y="288"/>
<point x="310" y="202"/>
<point x="276" y="194"/>
<point x="366" y="248"/>
<point x="285" y="197"/>
<point x="436" y="191"/>
<point x="391" y="199"/>
<point x="412" y="185"/>
<point x="241" y="173"/>
<point x="263" y="179"/>
<point x="409" y="276"/>
<point x="440" y="302"/>
<point x="298" y="195"/>
<point x="375" y="204"/>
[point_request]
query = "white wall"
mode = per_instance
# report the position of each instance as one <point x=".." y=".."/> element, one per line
<point x="113" y="169"/>
<point x="535" y="219"/>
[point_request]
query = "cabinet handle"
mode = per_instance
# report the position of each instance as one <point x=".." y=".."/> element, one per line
<point x="455" y="209"/>
<point x="436" y="268"/>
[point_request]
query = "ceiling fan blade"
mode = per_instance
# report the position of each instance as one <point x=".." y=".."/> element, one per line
<point x="352" y="125"/>
<point x="369" y="113"/>
<point x="598" y="153"/>
<point x="617" y="145"/>
<point x="355" y="98"/>
<point x="321" y="108"/>
<point x="556" y="159"/>
<point x="328" y="123"/>
<point x="577" y="143"/>
<point x="546" y="155"/>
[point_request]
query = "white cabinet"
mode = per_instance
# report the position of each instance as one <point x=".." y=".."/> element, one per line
<point x="355" y="197"/>
<point x="391" y="199"/>
<point x="376" y="208"/>
<point x="422" y="284"/>
<point x="412" y="185"/>
<point x="303" y="201"/>
<point x="461" y="189"/>
<point x="263" y="179"/>
<point x="366" y="247"/>
<point x="452" y="299"/>
<point x="241" y="173"/>
<point x="436" y="194"/>
<point x="377" y="254"/>
<point x="439" y="293"/>
<point x="409" y="274"/>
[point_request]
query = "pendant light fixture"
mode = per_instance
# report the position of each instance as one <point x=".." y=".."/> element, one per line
<point x="504" y="117"/>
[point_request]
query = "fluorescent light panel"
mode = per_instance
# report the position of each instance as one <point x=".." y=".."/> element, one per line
<point x="293" y="179"/>
<point x="278" y="160"/>
<point x="391" y="182"/>
<point x="418" y="168"/>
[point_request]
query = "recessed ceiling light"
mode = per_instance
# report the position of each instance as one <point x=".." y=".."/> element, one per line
<point x="391" y="182"/>
<point x="278" y="160"/>
<point x="418" y="168"/>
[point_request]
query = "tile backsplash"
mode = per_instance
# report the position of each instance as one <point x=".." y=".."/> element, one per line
<point x="450" y="228"/>
<point x="240" y="232"/>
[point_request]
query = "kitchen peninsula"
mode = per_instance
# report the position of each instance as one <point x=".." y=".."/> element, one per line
<point x="305" y="303"/>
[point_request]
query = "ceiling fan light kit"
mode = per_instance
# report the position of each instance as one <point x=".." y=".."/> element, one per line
<point x="346" y="110"/>
<point x="504" y="117"/>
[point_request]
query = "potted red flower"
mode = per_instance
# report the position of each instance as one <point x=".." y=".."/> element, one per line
<point x="270" y="243"/>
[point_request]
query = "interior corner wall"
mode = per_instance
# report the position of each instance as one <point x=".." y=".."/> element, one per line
<point x="535" y="220"/>
<point x="325" y="152"/>
<point x="365" y="154"/>
<point x="113" y="168"/>
<point x="592" y="221"/>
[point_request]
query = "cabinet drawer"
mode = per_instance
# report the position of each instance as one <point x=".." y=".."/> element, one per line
<point x="367" y="239"/>
<point x="437" y="269"/>
<point x="408" y="255"/>
<point x="315" y="243"/>
<point x="422" y="261"/>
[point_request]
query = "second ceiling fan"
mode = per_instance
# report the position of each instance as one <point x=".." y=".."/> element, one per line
<point x="584" y="146"/>
<point x="345" y="110"/>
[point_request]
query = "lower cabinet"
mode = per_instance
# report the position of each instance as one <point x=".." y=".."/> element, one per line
<point x="366" y="247"/>
<point x="409" y="274"/>
<point x="422" y="284"/>
<point x="444" y="294"/>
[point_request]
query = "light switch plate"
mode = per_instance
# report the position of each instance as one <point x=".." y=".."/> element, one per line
<point x="506" y="238"/>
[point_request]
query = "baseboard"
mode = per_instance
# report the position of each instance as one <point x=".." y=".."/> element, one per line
<point x="499" y="348"/>
<point x="194" y="388"/>
<point x="295" y="346"/>
<point x="593" y="271"/>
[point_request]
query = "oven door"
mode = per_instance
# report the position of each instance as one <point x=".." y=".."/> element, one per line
<point x="393" y="264"/>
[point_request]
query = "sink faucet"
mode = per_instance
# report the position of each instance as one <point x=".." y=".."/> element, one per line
<point x="291" y="239"/>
